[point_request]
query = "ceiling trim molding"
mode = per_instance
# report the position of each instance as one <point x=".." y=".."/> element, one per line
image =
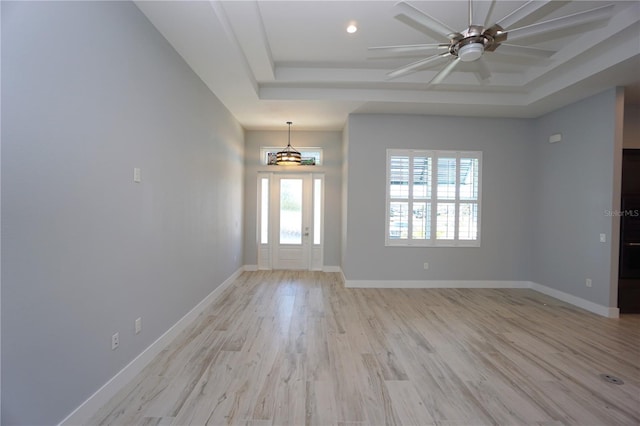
<point x="269" y="62"/>
<point x="252" y="40"/>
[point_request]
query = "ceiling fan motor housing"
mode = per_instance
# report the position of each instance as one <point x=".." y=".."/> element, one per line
<point x="472" y="43"/>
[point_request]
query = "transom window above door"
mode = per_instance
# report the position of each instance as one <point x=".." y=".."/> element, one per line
<point x="311" y="156"/>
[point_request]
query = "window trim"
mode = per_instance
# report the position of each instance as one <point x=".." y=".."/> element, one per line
<point x="433" y="200"/>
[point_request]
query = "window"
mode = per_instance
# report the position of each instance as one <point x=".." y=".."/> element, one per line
<point x="433" y="198"/>
<point x="317" y="210"/>
<point x="264" y="210"/>
<point x="310" y="156"/>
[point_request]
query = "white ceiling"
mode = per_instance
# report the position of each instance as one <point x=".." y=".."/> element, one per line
<point x="275" y="61"/>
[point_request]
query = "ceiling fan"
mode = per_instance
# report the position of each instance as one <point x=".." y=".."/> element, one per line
<point x="483" y="36"/>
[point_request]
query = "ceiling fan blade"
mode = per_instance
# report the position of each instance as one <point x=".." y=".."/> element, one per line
<point x="518" y="60"/>
<point x="482" y="71"/>
<point x="512" y="49"/>
<point x="413" y="67"/>
<point x="445" y="72"/>
<point x="562" y="23"/>
<point x="410" y="48"/>
<point x="534" y="7"/>
<point x="421" y="21"/>
<point x="481" y="13"/>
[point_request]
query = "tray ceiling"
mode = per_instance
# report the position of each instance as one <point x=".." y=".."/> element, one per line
<point x="274" y="61"/>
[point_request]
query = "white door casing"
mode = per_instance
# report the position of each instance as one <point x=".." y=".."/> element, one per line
<point x="290" y="221"/>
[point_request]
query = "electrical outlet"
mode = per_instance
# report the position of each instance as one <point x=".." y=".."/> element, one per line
<point x="138" y="325"/>
<point x="426" y="265"/>
<point x="115" y="341"/>
<point x="603" y="238"/>
<point x="588" y="282"/>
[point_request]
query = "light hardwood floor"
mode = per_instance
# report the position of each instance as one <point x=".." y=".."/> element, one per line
<point x="297" y="348"/>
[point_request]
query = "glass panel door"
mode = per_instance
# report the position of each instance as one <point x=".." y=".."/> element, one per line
<point x="290" y="221"/>
<point x="290" y="211"/>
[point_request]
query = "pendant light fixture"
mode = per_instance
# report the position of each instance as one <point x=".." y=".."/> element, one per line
<point x="288" y="156"/>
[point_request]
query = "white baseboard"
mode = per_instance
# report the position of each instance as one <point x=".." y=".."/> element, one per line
<point x="87" y="409"/>
<point x="604" y="311"/>
<point x="253" y="268"/>
<point x="434" y="284"/>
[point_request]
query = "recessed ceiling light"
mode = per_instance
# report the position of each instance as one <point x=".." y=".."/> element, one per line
<point x="352" y="28"/>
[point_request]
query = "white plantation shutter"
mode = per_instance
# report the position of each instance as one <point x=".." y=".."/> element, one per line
<point x="433" y="198"/>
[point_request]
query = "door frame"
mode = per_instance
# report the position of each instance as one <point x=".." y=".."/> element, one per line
<point x="266" y="241"/>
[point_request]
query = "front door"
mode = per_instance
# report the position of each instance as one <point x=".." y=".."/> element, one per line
<point x="290" y="221"/>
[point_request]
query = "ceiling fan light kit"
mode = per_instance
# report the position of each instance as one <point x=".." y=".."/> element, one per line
<point x="471" y="44"/>
<point x="471" y="52"/>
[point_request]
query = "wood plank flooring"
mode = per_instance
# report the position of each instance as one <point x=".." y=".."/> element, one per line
<point x="297" y="348"/>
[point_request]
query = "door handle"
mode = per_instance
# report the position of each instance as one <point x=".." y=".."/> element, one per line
<point x="632" y="244"/>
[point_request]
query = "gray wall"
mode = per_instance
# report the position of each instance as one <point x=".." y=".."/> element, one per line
<point x="331" y="142"/>
<point x="90" y="91"/>
<point x="506" y="201"/>
<point x="574" y="189"/>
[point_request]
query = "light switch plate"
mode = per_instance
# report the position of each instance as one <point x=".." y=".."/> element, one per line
<point x="555" y="138"/>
